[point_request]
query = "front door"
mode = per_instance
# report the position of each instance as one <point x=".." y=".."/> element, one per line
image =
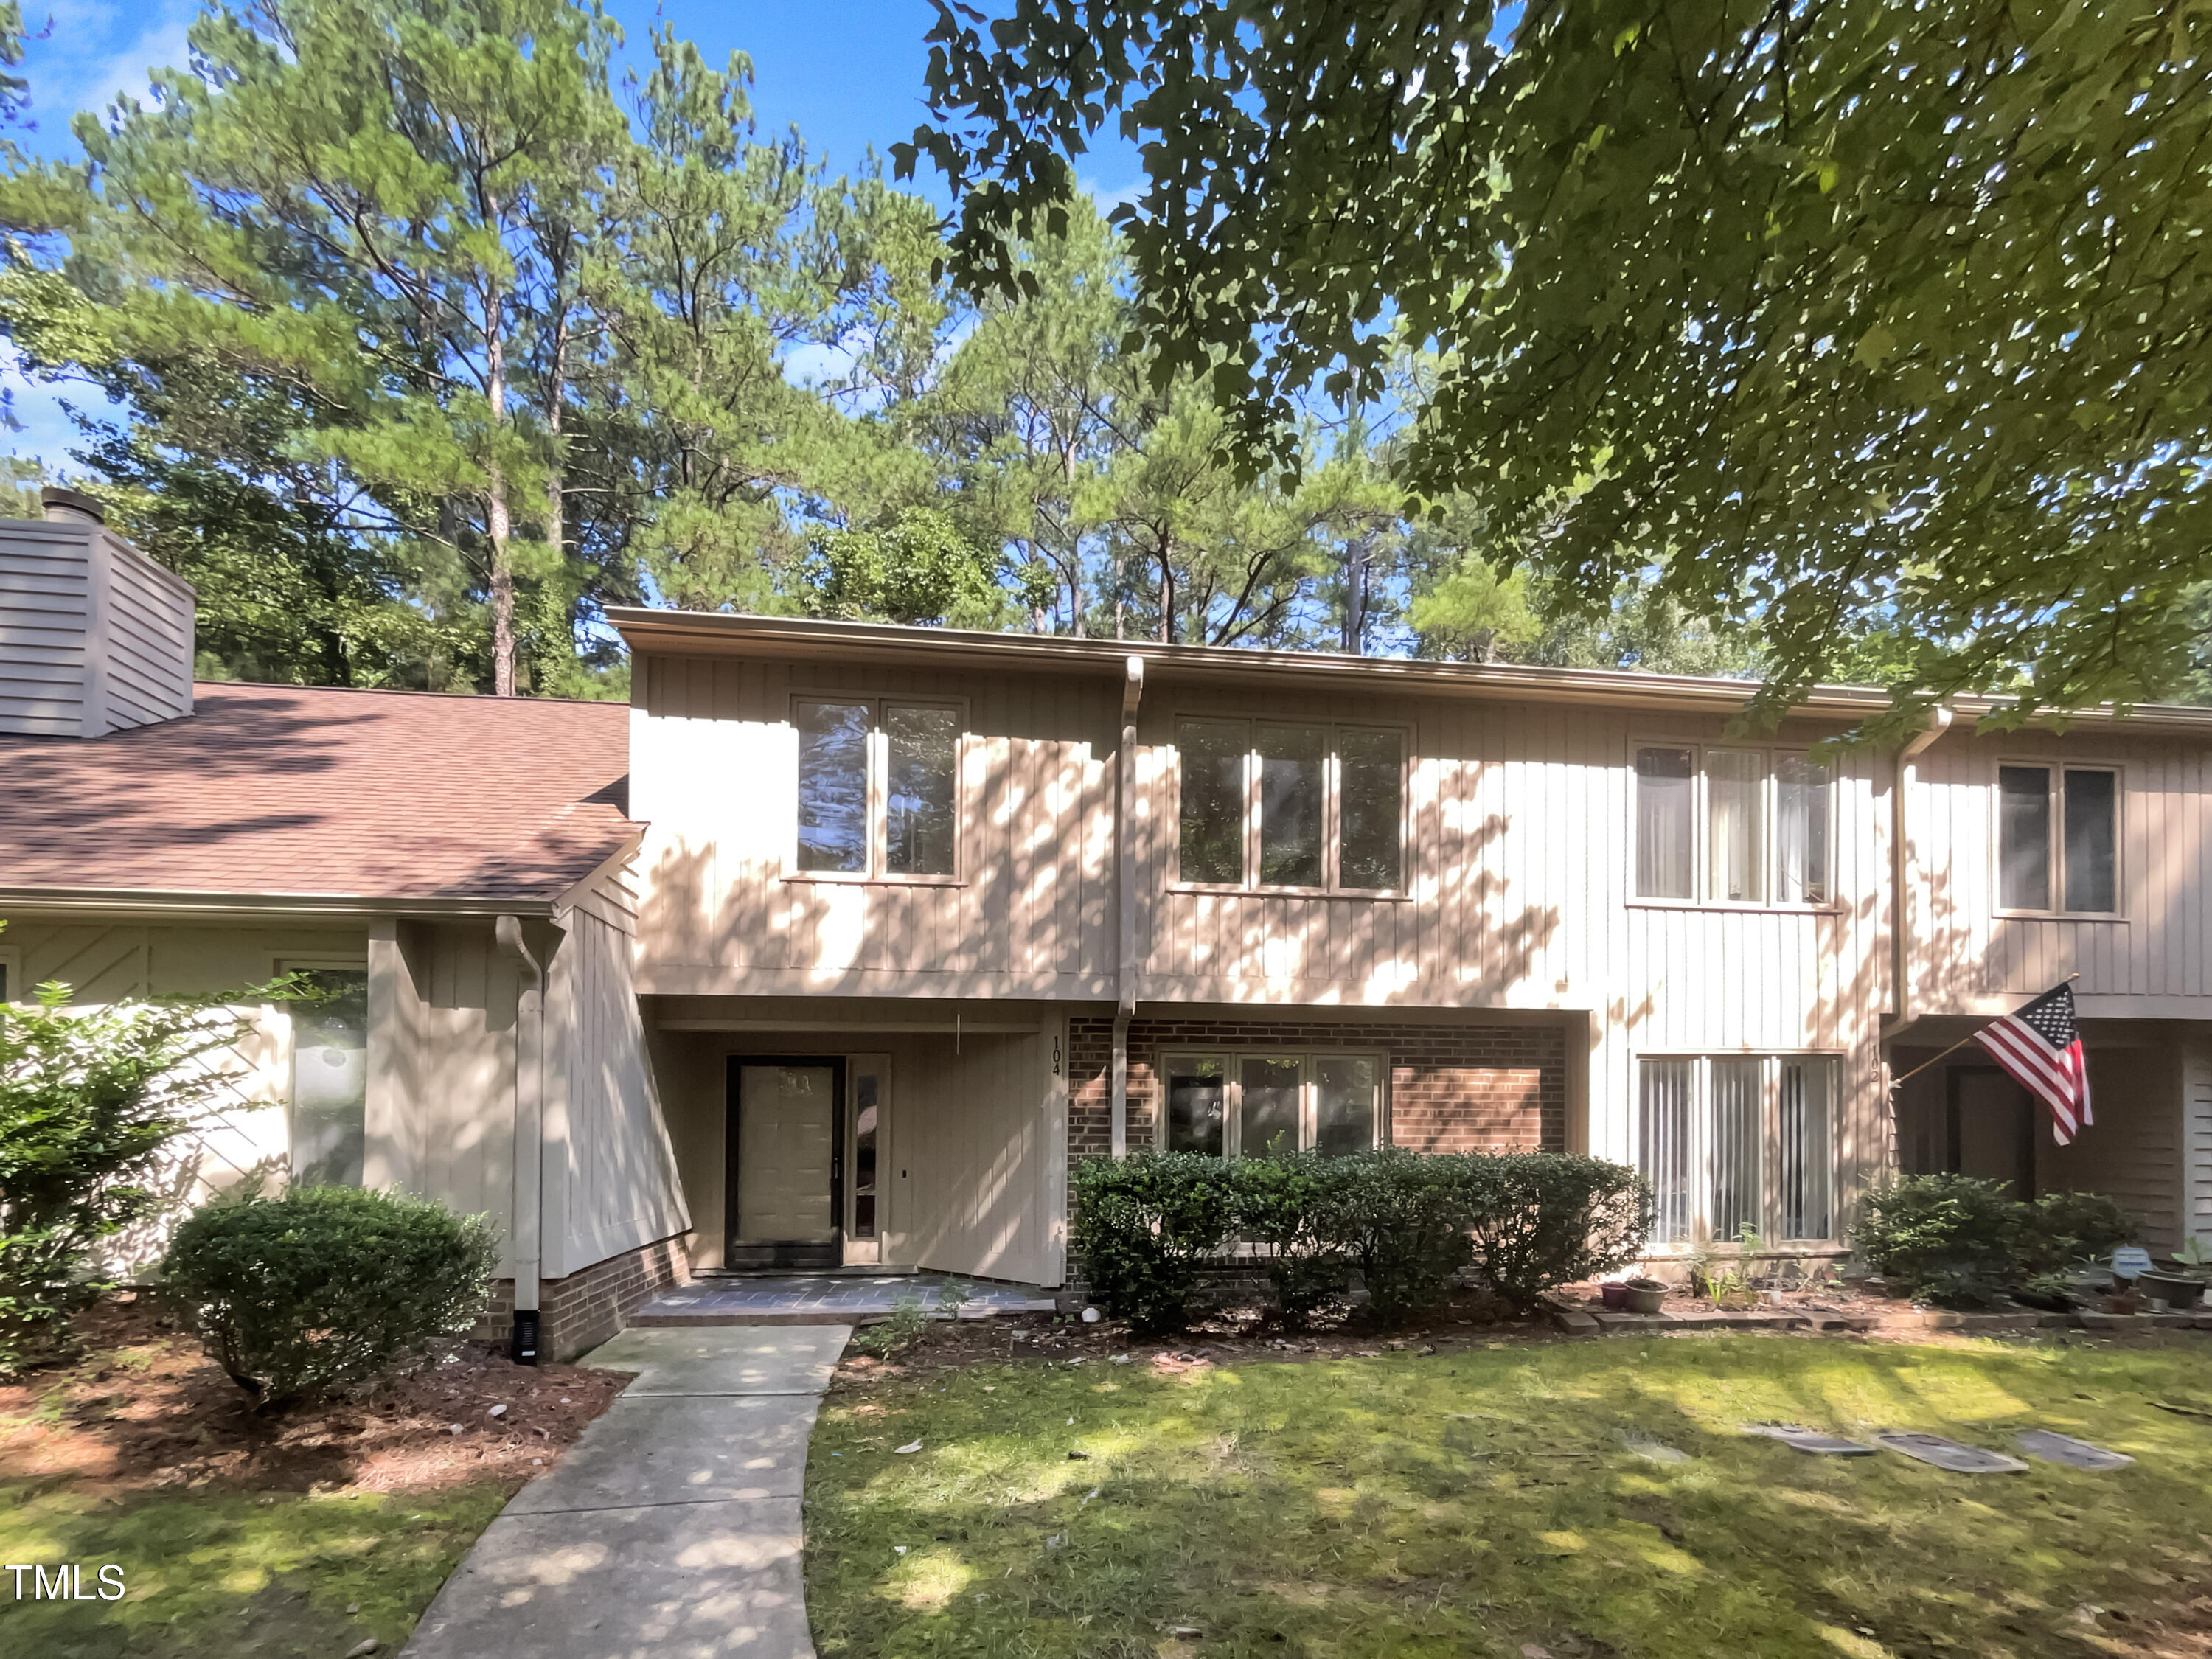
<point x="1992" y="1127"/>
<point x="786" y="1199"/>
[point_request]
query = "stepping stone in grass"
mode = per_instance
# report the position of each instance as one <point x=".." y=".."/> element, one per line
<point x="2053" y="1448"/>
<point x="1950" y="1454"/>
<point x="1657" y="1451"/>
<point x="1810" y="1440"/>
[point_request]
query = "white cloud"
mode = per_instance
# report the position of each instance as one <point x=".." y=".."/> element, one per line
<point x="92" y="52"/>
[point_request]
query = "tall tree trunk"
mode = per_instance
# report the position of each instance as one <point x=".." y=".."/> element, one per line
<point x="1355" y="593"/>
<point x="1074" y="542"/>
<point x="497" y="528"/>
<point x="556" y="527"/>
<point x="1167" y="591"/>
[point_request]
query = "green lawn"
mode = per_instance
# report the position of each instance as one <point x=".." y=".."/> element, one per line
<point x="1468" y="1503"/>
<point x="232" y="1574"/>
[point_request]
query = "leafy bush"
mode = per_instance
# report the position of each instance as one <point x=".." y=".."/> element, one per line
<point x="2060" y="1229"/>
<point x="1950" y="1238"/>
<point x="89" y="1100"/>
<point x="1283" y="1205"/>
<point x="1531" y="1221"/>
<point x="326" y="1285"/>
<point x="1402" y="1217"/>
<point x="1958" y="1241"/>
<point x="1539" y="1220"/>
<point x="1144" y="1225"/>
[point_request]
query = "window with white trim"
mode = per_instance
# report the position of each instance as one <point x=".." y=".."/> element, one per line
<point x="1735" y="1141"/>
<point x="879" y="786"/>
<point x="329" y="1106"/>
<point x="1247" y="1103"/>
<point x="2058" y="838"/>
<point x="1725" y="825"/>
<point x="1307" y="805"/>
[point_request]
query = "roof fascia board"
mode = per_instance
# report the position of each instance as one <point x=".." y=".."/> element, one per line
<point x="720" y="633"/>
<point x="114" y="901"/>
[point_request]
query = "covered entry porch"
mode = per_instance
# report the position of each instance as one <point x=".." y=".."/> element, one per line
<point x="2150" y="1084"/>
<point x="833" y="1135"/>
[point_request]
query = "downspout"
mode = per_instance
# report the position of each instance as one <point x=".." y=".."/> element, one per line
<point x="1901" y="863"/>
<point x="1124" y="902"/>
<point x="528" y="1206"/>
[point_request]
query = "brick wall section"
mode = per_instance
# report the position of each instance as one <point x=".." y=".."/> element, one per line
<point x="578" y="1313"/>
<point x="1467" y="1086"/>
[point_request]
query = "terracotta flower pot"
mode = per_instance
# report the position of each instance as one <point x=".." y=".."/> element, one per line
<point x="1614" y="1296"/>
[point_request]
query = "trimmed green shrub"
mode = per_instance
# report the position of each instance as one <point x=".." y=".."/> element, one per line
<point x="1402" y="1218"/>
<point x="326" y="1285"/>
<point x="1283" y="1205"/>
<point x="1958" y="1241"/>
<point x="1950" y="1238"/>
<point x="1144" y="1225"/>
<point x="1539" y="1220"/>
<point x="2060" y="1229"/>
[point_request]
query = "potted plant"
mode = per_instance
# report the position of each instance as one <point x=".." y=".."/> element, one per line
<point x="1644" y="1295"/>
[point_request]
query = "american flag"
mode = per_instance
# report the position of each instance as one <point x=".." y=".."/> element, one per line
<point x="2041" y="1045"/>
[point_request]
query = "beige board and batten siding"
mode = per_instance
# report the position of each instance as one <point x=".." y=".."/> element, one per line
<point x="715" y="771"/>
<point x="1519" y="866"/>
<point x="611" y="1182"/>
<point x="94" y="637"/>
<point x="2153" y="960"/>
<point x="442" y="1003"/>
<point x="1520" y="895"/>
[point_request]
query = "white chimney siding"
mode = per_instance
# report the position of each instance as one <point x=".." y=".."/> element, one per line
<point x="95" y="636"/>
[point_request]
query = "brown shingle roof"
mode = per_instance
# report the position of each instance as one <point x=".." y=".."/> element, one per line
<point x="276" y="790"/>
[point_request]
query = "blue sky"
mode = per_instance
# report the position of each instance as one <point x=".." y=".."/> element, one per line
<point x="847" y="73"/>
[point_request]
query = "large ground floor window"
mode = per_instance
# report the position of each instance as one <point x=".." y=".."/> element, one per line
<point x="1247" y="1103"/>
<point x="1736" y="1141"/>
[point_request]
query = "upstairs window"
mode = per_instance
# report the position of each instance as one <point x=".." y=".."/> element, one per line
<point x="2058" y="839"/>
<point x="1304" y="806"/>
<point x="1250" y="1105"/>
<point x="879" y="787"/>
<point x="1732" y="826"/>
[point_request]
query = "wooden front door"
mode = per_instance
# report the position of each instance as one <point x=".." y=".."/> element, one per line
<point x="786" y="1197"/>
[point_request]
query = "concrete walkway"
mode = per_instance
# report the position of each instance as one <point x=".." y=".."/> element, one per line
<point x="672" y="1529"/>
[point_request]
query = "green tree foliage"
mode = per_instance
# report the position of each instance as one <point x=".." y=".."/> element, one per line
<point x="916" y="568"/>
<point x="430" y="347"/>
<point x="1850" y="317"/>
<point x="89" y="1100"/>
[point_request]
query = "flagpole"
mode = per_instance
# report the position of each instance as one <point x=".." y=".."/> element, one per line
<point x="1897" y="1081"/>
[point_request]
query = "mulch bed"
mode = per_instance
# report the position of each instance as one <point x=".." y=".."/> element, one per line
<point x="145" y="1408"/>
<point x="1473" y="1318"/>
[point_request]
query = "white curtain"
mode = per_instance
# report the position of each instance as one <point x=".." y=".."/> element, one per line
<point x="1735" y="795"/>
<point x="1664" y="1145"/>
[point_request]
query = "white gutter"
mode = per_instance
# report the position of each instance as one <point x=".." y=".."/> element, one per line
<point x="526" y="1226"/>
<point x="1125" y="901"/>
<point x="1903" y="870"/>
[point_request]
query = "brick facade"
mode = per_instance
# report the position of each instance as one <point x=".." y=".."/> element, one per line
<point x="1463" y="1086"/>
<point x="578" y="1313"/>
